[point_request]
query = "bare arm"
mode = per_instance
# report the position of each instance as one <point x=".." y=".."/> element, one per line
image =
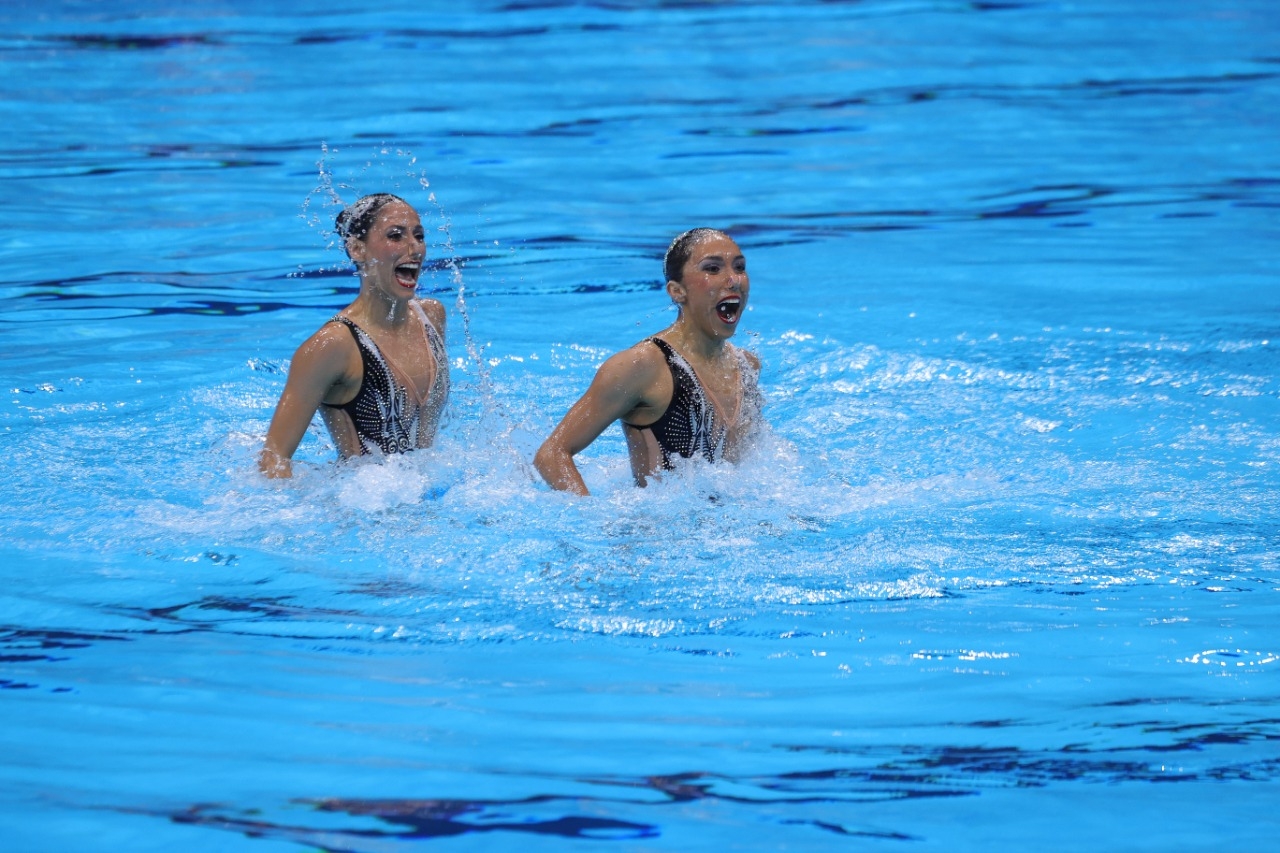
<point x="624" y="385"/>
<point x="320" y="364"/>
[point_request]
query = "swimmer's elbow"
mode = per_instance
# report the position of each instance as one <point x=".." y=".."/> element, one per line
<point x="555" y="464"/>
<point x="550" y="459"/>
<point x="540" y="457"/>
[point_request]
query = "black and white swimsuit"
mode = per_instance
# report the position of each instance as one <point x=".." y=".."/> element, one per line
<point x="691" y="425"/>
<point x="386" y="415"/>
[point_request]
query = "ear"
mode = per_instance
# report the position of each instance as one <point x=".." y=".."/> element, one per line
<point x="355" y="249"/>
<point x="677" y="292"/>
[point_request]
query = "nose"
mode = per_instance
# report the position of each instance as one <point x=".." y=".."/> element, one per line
<point x="737" y="280"/>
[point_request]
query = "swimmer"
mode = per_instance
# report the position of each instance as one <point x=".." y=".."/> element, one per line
<point x="685" y="391"/>
<point x="376" y="371"/>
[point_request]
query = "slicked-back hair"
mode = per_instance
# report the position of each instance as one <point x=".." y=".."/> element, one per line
<point x="357" y="218"/>
<point x="681" y="249"/>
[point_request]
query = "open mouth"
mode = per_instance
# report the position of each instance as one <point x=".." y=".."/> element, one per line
<point x="729" y="309"/>
<point x="407" y="275"/>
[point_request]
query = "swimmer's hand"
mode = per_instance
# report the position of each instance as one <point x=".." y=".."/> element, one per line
<point x="274" y="466"/>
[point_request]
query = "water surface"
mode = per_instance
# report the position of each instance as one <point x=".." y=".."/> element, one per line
<point x="999" y="576"/>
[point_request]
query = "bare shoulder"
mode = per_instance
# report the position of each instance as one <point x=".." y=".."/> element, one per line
<point x="434" y="309"/>
<point x="330" y="345"/>
<point x="640" y="361"/>
<point x="329" y="335"/>
<point x="632" y="382"/>
<point x="751" y="357"/>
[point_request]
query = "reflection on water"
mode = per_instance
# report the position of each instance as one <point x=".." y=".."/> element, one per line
<point x="871" y="775"/>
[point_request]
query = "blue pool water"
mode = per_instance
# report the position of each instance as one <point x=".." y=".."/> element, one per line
<point x="1002" y="576"/>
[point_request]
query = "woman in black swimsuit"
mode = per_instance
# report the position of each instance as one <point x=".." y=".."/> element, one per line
<point x="377" y="371"/>
<point x="686" y="391"/>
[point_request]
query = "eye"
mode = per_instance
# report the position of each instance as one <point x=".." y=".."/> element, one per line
<point x="740" y="265"/>
<point x="712" y="267"/>
<point x="420" y="234"/>
<point x="395" y="234"/>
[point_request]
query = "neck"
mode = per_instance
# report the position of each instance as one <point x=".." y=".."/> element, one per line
<point x="377" y="309"/>
<point x="694" y="343"/>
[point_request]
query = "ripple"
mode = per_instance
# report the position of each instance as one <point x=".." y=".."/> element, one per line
<point x="1232" y="658"/>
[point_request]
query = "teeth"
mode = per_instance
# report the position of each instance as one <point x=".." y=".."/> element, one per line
<point x="407" y="274"/>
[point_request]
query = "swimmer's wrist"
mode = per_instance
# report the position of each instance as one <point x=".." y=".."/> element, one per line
<point x="274" y="466"/>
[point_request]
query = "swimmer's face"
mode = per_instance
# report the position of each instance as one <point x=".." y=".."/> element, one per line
<point x="391" y="254"/>
<point x="714" y="286"/>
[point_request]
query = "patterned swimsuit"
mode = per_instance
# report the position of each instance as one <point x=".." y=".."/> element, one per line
<point x="690" y="425"/>
<point x="383" y="412"/>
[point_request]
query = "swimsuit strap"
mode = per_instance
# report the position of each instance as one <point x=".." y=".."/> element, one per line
<point x="440" y="387"/>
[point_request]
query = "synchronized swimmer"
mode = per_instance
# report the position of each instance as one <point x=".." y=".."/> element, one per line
<point x="376" y="371"/>
<point x="685" y="391"/>
<point x="378" y="374"/>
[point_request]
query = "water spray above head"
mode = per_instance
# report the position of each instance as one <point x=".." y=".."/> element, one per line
<point x="355" y="220"/>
